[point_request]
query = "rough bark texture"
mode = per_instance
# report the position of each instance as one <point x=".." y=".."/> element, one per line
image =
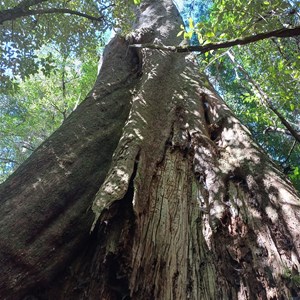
<point x="45" y="210"/>
<point x="190" y="207"/>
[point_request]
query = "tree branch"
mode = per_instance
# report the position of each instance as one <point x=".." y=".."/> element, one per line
<point x="266" y="99"/>
<point x="290" y="153"/>
<point x="286" y="124"/>
<point x="7" y="160"/>
<point x="278" y="130"/>
<point x="271" y="14"/>
<point x="280" y="33"/>
<point x="19" y="12"/>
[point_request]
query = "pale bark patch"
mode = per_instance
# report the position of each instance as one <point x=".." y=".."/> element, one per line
<point x="171" y="258"/>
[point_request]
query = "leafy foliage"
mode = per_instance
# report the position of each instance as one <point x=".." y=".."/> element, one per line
<point x="259" y="77"/>
<point x="76" y="34"/>
<point x="48" y="64"/>
<point x="39" y="106"/>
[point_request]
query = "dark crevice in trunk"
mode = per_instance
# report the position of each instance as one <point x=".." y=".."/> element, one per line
<point x="137" y="62"/>
<point x="118" y="222"/>
<point x="214" y="128"/>
<point x="169" y="140"/>
<point x="102" y="269"/>
<point x="205" y="109"/>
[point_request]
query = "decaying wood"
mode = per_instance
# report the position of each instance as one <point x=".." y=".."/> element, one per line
<point x="188" y="207"/>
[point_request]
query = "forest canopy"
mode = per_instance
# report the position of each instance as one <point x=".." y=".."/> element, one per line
<point x="51" y="51"/>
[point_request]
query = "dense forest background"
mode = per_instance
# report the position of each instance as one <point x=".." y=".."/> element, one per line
<point x="50" y="57"/>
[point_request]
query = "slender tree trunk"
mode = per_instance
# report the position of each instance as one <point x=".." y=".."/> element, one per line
<point x="187" y="206"/>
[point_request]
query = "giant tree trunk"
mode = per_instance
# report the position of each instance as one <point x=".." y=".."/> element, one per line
<point x="187" y="206"/>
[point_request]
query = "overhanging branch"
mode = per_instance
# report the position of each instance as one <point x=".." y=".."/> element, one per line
<point x="19" y="12"/>
<point x="280" y="33"/>
<point x="7" y="160"/>
<point x="277" y="130"/>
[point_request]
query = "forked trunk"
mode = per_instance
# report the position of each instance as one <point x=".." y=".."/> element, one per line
<point x="189" y="207"/>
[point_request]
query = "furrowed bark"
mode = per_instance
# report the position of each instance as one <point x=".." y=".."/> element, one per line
<point x="45" y="205"/>
<point x="188" y="207"/>
<point x="208" y="203"/>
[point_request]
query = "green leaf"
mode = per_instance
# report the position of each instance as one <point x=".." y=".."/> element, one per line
<point x="188" y="35"/>
<point x="191" y="23"/>
<point x="280" y="65"/>
<point x="210" y="34"/>
<point x="200" y="38"/>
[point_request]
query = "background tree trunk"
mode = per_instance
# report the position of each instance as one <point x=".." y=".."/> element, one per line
<point x="188" y="207"/>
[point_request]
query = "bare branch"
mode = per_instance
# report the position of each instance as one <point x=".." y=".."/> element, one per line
<point x="7" y="160"/>
<point x="290" y="152"/>
<point x="280" y="33"/>
<point x="286" y="124"/>
<point x="278" y="130"/>
<point x="273" y="13"/>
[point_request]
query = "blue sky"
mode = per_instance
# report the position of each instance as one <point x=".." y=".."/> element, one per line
<point x="179" y="4"/>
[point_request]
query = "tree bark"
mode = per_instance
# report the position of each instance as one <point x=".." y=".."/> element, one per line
<point x="186" y="205"/>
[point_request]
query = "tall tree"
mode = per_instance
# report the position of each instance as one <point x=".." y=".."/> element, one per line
<point x="151" y="189"/>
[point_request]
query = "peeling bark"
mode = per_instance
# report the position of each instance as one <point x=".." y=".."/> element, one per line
<point x="188" y="207"/>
